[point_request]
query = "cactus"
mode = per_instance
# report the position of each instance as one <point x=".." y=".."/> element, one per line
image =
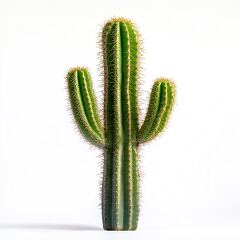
<point x="120" y="135"/>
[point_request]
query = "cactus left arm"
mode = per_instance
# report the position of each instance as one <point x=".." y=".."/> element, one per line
<point x="84" y="107"/>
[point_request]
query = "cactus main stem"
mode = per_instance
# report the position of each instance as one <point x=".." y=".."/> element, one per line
<point x="120" y="200"/>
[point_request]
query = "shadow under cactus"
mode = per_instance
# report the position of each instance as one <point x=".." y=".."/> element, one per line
<point x="50" y="226"/>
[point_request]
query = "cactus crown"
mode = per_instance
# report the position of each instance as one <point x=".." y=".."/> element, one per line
<point x="120" y="136"/>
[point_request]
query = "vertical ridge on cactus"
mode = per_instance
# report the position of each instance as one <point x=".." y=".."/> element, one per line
<point x="120" y="136"/>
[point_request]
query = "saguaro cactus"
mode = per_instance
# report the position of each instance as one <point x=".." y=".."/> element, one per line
<point x="120" y="135"/>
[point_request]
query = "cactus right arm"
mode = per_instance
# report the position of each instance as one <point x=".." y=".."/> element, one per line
<point x="159" y="109"/>
<point x="84" y="107"/>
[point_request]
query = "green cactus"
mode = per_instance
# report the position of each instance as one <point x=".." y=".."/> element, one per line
<point x="120" y="135"/>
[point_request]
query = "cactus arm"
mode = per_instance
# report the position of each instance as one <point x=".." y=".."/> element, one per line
<point x="159" y="109"/>
<point x="83" y="105"/>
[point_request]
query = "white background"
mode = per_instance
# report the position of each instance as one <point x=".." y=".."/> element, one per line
<point x="49" y="182"/>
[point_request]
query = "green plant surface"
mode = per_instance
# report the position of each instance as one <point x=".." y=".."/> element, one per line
<point x="120" y="135"/>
